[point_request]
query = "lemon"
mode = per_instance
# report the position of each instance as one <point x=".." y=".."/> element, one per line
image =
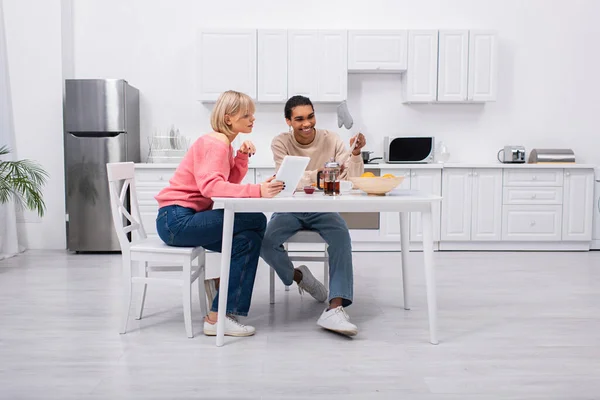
<point x="388" y="176"/>
<point x="368" y="175"/>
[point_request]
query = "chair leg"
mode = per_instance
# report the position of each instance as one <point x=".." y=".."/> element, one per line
<point x="201" y="291"/>
<point x="126" y="299"/>
<point x="187" y="297"/>
<point x="271" y="285"/>
<point x="144" y="273"/>
<point x="326" y="270"/>
<point x="285" y="246"/>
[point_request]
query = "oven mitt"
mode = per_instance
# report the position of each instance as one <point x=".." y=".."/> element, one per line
<point x="344" y="117"/>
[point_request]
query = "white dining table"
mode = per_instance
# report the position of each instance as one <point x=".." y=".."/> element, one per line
<point x="401" y="201"/>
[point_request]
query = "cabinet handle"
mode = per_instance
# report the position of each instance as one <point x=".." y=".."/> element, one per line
<point x="161" y="178"/>
<point x="567" y="173"/>
<point x="532" y="223"/>
<point x="533" y="196"/>
<point x="413" y="174"/>
<point x="534" y="178"/>
<point x="476" y="173"/>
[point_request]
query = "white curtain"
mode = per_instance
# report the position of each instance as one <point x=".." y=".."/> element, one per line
<point x="9" y="245"/>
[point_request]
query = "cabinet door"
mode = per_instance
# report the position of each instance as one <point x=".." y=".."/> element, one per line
<point x="389" y="222"/>
<point x="453" y="65"/>
<point x="272" y="65"/>
<point x="420" y="80"/>
<point x="303" y="59"/>
<point x="578" y="205"/>
<point x="483" y="68"/>
<point x="427" y="182"/>
<point x="261" y="175"/>
<point x="333" y="66"/>
<point x="218" y="69"/>
<point x="456" y="204"/>
<point x="377" y="50"/>
<point x="486" y="214"/>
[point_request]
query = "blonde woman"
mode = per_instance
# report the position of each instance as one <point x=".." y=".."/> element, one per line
<point x="185" y="215"/>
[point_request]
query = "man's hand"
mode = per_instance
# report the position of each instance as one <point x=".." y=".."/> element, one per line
<point x="361" y="142"/>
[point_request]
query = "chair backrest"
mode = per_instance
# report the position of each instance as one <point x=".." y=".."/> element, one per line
<point x="121" y="183"/>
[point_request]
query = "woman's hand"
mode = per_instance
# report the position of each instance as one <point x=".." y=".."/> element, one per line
<point x="271" y="188"/>
<point x="248" y="148"/>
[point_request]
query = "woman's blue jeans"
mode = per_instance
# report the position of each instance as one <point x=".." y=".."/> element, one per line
<point x="184" y="227"/>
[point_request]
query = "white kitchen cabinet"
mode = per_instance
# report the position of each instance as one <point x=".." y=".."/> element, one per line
<point x="389" y="223"/>
<point x="303" y="63"/>
<point x="453" y="69"/>
<point x="318" y="64"/>
<point x="483" y="65"/>
<point x="471" y="205"/>
<point x="427" y="181"/>
<point x="578" y="205"/>
<point x="456" y="204"/>
<point x="531" y="222"/>
<point x="420" y="79"/>
<point x="261" y="175"/>
<point x="377" y="50"/>
<point x="486" y="204"/>
<point x="272" y="65"/>
<point x="225" y="60"/>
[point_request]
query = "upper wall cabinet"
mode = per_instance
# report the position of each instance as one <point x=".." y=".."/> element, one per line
<point x="377" y="50"/>
<point x="467" y="66"/>
<point x="318" y="64"/>
<point x="219" y="69"/>
<point x="272" y="65"/>
<point x="420" y="79"/>
<point x="453" y="68"/>
<point x="483" y="65"/>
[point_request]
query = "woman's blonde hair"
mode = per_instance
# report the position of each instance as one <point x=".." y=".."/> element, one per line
<point x="229" y="103"/>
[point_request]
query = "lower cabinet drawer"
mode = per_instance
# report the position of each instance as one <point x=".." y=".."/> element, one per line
<point x="531" y="222"/>
<point x="532" y="195"/>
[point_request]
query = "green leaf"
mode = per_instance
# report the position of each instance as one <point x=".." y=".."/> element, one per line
<point x="22" y="181"/>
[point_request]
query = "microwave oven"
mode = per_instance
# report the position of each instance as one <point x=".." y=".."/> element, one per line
<point x="408" y="150"/>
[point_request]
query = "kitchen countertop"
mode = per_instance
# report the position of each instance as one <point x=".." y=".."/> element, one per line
<point x="413" y="166"/>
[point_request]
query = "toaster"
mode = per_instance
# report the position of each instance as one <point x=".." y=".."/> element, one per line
<point x="512" y="154"/>
<point x="408" y="150"/>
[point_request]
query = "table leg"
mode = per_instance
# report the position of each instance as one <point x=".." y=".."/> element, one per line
<point x="224" y="282"/>
<point x="405" y="248"/>
<point x="427" y="222"/>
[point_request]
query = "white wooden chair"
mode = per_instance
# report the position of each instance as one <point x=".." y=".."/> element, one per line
<point x="142" y="250"/>
<point x="303" y="237"/>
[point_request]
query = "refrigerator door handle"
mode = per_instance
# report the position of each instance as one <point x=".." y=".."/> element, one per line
<point x="95" y="134"/>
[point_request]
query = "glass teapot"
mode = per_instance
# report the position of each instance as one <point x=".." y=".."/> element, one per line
<point x="331" y="178"/>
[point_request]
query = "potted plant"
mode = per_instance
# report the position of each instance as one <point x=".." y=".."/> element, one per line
<point x="22" y="181"/>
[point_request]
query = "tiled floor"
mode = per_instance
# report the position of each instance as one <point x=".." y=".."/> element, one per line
<point x="511" y="326"/>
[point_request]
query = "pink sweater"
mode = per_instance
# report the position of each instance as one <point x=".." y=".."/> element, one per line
<point x="207" y="170"/>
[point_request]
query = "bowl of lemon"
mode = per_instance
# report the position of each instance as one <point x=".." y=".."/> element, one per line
<point x="376" y="185"/>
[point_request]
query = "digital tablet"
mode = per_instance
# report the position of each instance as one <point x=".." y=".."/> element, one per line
<point x="291" y="171"/>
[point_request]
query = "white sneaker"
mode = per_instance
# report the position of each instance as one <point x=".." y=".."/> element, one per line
<point x="338" y="321"/>
<point x="311" y="285"/>
<point x="232" y="328"/>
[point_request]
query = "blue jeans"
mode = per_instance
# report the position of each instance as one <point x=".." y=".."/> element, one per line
<point x="180" y="226"/>
<point x="332" y="228"/>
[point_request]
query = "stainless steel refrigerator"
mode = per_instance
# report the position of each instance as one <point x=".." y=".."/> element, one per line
<point x="102" y="125"/>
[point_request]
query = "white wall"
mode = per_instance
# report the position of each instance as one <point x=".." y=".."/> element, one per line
<point x="548" y="87"/>
<point x="549" y="80"/>
<point x="33" y="35"/>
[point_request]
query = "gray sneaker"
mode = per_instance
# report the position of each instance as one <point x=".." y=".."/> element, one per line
<point x="311" y="285"/>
